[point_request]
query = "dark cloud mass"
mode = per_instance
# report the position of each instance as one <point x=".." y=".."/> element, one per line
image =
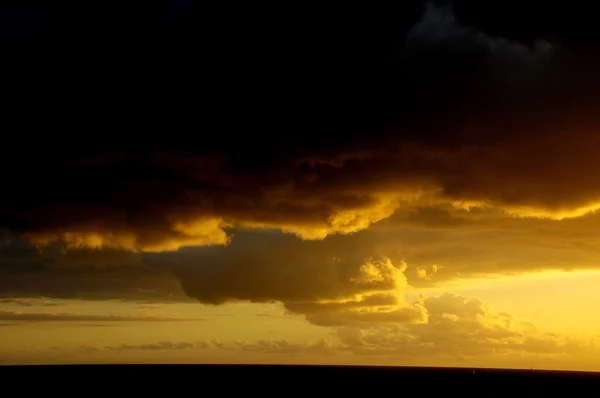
<point x="92" y="274"/>
<point x="314" y="133"/>
<point x="411" y="119"/>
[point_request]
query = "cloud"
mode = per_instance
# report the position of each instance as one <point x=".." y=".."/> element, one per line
<point x="457" y="329"/>
<point x="162" y="345"/>
<point x="269" y="266"/>
<point x="27" y="272"/>
<point x="451" y="110"/>
<point x="96" y="325"/>
<point x="71" y="317"/>
<point x="285" y="347"/>
<point x="461" y="327"/>
<point x="319" y="347"/>
<point x="483" y="242"/>
<point x="147" y="307"/>
<point x="354" y="278"/>
<point x="329" y="284"/>
<point x="29" y="302"/>
<point x="124" y="283"/>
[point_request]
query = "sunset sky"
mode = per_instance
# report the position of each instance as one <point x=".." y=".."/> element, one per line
<point x="411" y="185"/>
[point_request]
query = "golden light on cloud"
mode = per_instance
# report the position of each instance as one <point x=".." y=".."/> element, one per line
<point x="195" y="232"/>
<point x="530" y="211"/>
<point x="200" y="232"/>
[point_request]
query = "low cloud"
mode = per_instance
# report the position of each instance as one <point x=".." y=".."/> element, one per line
<point x="28" y="273"/>
<point x="286" y="347"/>
<point x="461" y="327"/>
<point x="29" y="302"/>
<point x="353" y="279"/>
<point x="329" y="285"/>
<point x="74" y="317"/>
<point x="319" y="347"/>
<point x="457" y="329"/>
<point x="162" y="345"/>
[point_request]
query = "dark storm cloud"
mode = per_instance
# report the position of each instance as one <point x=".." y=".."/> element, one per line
<point x="313" y="134"/>
<point x="28" y="273"/>
<point x="123" y="283"/>
<point x="329" y="283"/>
<point x="271" y="266"/>
<point x="317" y="124"/>
<point x="324" y="280"/>
<point x="570" y="23"/>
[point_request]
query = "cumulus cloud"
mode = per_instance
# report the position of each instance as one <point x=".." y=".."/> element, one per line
<point x="329" y="284"/>
<point x="342" y="279"/>
<point x="461" y="327"/>
<point x="484" y="242"/>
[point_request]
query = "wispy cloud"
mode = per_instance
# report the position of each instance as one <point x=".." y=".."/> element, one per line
<point x="67" y="317"/>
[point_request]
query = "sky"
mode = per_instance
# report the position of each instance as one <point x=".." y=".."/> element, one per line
<point x="405" y="185"/>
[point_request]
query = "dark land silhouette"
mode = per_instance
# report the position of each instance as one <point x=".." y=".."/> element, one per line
<point x="281" y="381"/>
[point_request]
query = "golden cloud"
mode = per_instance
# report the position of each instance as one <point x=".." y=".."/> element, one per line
<point x="461" y="327"/>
